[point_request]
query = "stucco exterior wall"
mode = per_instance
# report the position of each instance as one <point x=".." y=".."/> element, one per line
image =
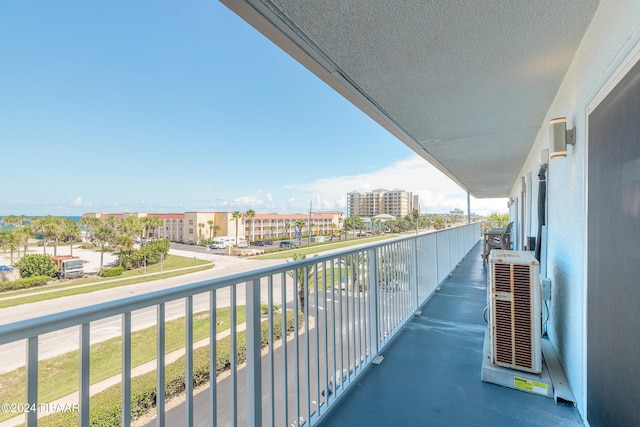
<point x="611" y="38"/>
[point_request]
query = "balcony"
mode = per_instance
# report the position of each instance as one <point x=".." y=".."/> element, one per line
<point x="430" y="374"/>
<point x="355" y="353"/>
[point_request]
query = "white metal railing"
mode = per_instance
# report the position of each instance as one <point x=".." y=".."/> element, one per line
<point x="345" y="308"/>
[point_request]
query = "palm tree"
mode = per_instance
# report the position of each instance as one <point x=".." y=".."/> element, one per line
<point x="250" y="214"/>
<point x="131" y="226"/>
<point x="15" y="221"/>
<point x="103" y="235"/>
<point x="210" y="222"/>
<point x="123" y="242"/>
<point x="236" y="215"/>
<point x="299" y="225"/>
<point x="48" y="226"/>
<point x="216" y="228"/>
<point x="90" y="224"/>
<point x="271" y="230"/>
<point x="113" y="222"/>
<point x="10" y="239"/>
<point x="299" y="277"/>
<point x="70" y="231"/>
<point x="149" y="222"/>
<point x="287" y="227"/>
<point x="201" y="227"/>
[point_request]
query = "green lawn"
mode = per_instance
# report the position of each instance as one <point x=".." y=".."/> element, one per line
<point x="321" y="247"/>
<point x="58" y="376"/>
<point x="173" y="266"/>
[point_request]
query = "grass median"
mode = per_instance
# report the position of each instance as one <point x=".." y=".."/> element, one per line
<point x="105" y="406"/>
<point x="325" y="246"/>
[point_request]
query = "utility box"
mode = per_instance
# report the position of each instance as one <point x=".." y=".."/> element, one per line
<point x="515" y="310"/>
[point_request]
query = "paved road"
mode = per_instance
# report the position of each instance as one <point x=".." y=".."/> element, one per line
<point x="59" y="342"/>
<point x="313" y="372"/>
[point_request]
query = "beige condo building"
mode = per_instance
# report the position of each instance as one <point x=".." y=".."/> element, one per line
<point x="398" y="203"/>
<point x="197" y="227"/>
<point x="278" y="226"/>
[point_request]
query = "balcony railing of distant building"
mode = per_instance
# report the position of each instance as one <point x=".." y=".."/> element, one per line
<point x="343" y="309"/>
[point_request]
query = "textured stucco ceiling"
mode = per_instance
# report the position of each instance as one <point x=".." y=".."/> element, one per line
<point x="464" y="83"/>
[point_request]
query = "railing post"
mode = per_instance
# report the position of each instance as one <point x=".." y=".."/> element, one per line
<point x="254" y="371"/>
<point x="32" y="381"/>
<point x="414" y="271"/>
<point x="85" y="338"/>
<point x="374" y="321"/>
<point x="188" y="348"/>
<point x="126" y="369"/>
<point x="160" y="364"/>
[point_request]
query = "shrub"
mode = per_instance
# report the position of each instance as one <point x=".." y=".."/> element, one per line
<point x="151" y="251"/>
<point x="105" y="406"/>
<point x="25" y="283"/>
<point x="112" y="272"/>
<point x="36" y="265"/>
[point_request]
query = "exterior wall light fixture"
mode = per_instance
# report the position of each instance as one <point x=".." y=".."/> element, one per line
<point x="544" y="157"/>
<point x="560" y="137"/>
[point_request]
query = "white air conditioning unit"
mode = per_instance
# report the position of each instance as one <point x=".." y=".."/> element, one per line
<point x="515" y="307"/>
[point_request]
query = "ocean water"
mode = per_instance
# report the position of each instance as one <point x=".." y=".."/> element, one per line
<point x="75" y="218"/>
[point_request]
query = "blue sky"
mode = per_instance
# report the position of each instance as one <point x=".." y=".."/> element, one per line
<point x="180" y="106"/>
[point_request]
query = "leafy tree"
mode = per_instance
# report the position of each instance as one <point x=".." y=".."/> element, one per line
<point x="236" y="216"/>
<point x="150" y="253"/>
<point x="495" y="219"/>
<point x="36" y="265"/>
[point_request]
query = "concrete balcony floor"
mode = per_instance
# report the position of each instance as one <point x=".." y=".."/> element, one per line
<point x="430" y="375"/>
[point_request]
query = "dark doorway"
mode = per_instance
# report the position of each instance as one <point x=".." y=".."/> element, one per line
<point x="613" y="306"/>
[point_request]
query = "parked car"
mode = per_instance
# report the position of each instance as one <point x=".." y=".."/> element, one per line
<point x="262" y="242"/>
<point x="287" y="244"/>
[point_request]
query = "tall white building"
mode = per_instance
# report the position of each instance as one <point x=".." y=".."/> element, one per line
<point x="398" y="203"/>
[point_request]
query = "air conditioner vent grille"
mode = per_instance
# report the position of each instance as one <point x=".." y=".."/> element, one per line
<point x="515" y="333"/>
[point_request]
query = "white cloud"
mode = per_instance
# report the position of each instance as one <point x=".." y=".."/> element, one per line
<point x="437" y="192"/>
<point x="79" y="202"/>
<point x="260" y="200"/>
